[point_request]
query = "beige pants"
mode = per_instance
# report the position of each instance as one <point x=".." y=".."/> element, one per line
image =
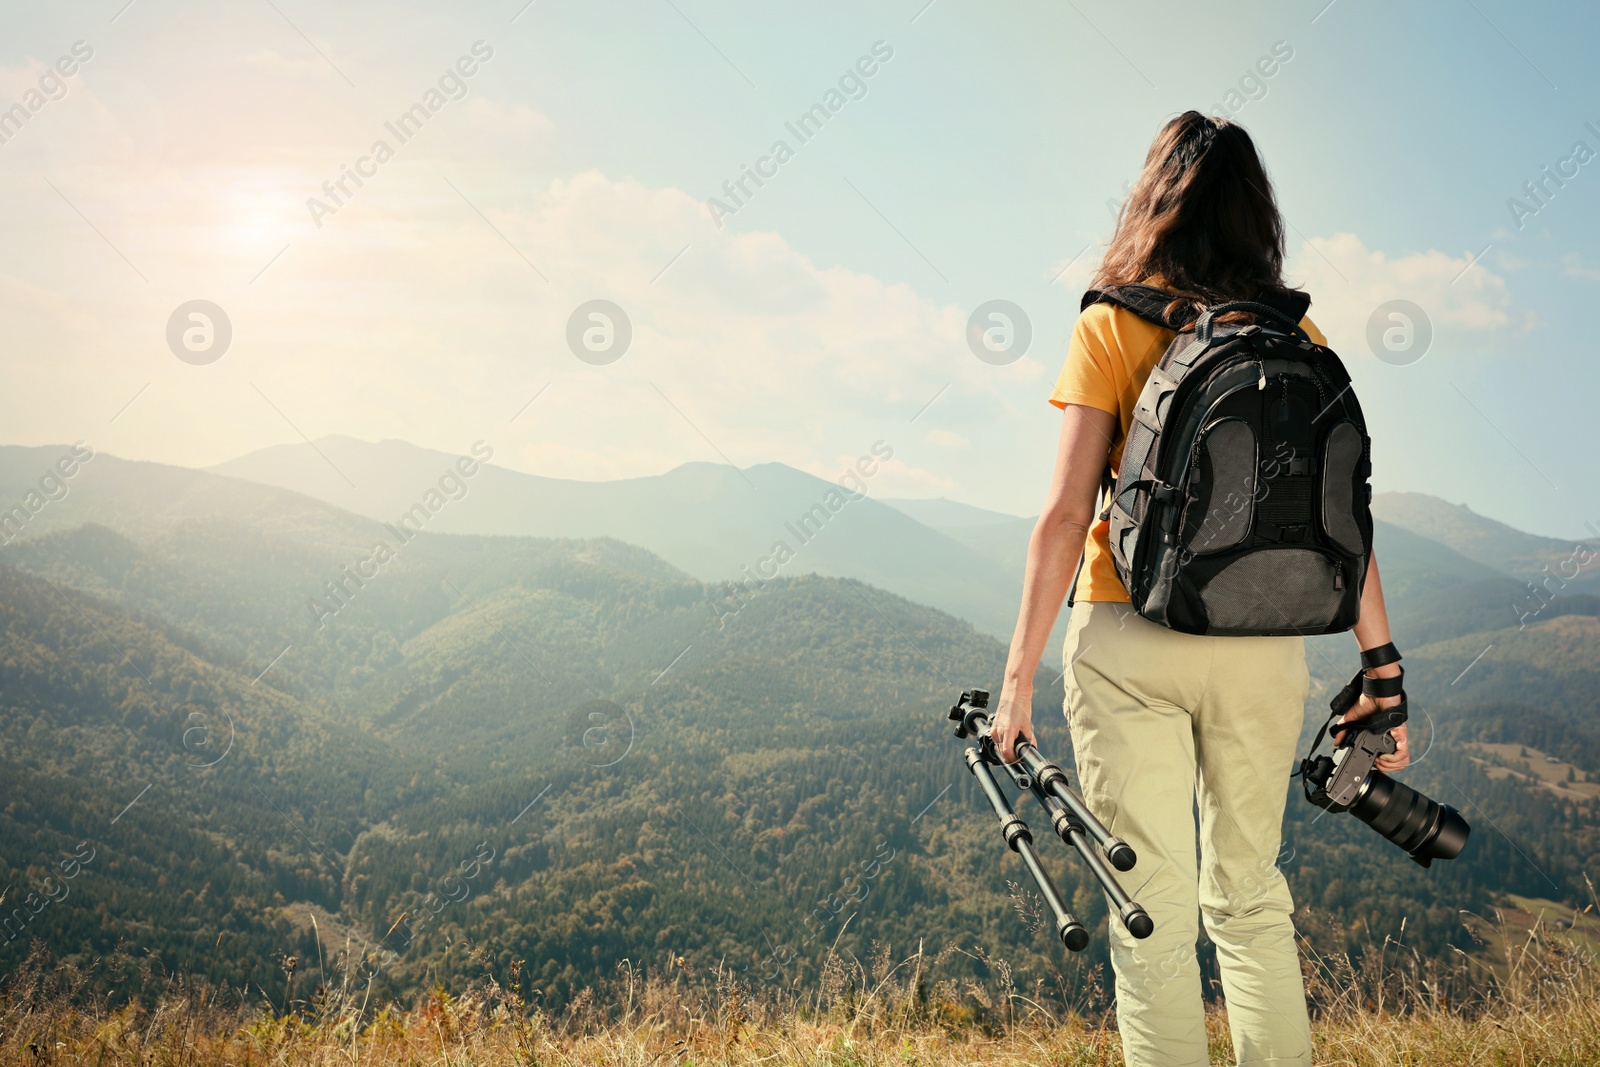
<point x="1164" y="724"/>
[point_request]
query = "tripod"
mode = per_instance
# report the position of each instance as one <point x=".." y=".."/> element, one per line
<point x="1071" y="819"/>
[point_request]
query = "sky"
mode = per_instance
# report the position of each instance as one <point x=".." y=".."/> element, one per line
<point x="561" y="153"/>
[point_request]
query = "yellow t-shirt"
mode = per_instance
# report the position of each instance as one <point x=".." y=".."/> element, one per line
<point x="1111" y="353"/>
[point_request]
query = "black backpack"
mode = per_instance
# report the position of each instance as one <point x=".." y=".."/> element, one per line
<point x="1241" y="506"/>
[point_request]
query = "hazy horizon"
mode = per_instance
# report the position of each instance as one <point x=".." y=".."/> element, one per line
<point x="216" y="468"/>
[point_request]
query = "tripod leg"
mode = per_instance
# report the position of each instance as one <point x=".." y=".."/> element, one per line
<point x="1015" y="831"/>
<point x="1134" y="917"/>
<point x="1054" y="781"/>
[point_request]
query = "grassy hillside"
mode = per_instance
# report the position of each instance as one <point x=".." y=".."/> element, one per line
<point x="1541" y="1007"/>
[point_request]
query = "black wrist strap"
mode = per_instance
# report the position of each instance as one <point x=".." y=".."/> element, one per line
<point x="1384" y="687"/>
<point x="1373" y="687"/>
<point x="1382" y="720"/>
<point x="1381" y="656"/>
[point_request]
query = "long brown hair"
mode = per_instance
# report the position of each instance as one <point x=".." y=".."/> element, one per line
<point x="1201" y="215"/>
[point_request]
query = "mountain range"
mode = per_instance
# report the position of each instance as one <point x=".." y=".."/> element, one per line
<point x="567" y="747"/>
<point x="712" y="521"/>
<point x="717" y="522"/>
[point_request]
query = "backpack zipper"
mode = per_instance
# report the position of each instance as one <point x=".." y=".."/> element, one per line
<point x="1338" y="575"/>
<point x="1194" y="446"/>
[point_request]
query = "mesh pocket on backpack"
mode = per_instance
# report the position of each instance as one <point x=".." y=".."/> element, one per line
<point x="1340" y="456"/>
<point x="1273" y="589"/>
<point x="1221" y="507"/>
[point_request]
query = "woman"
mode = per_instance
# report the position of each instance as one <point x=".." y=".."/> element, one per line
<point x="1164" y="724"/>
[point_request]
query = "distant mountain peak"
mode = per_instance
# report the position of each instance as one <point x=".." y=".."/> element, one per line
<point x="1477" y="537"/>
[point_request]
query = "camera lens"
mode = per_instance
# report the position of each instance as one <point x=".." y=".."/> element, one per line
<point x="1426" y="829"/>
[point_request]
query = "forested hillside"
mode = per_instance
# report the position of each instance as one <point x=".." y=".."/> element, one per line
<point x="568" y="752"/>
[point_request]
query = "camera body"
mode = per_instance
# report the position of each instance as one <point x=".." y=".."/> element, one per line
<point x="1338" y="782"/>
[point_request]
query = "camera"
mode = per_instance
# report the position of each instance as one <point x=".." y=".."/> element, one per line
<point x="1349" y="780"/>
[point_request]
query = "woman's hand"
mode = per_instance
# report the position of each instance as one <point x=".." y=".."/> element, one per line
<point x="1013" y="719"/>
<point x="1367" y="706"/>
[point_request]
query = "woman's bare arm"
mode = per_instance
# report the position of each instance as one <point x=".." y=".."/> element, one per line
<point x="1057" y="542"/>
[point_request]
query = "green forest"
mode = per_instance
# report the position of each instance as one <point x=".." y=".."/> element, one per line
<point x="569" y="753"/>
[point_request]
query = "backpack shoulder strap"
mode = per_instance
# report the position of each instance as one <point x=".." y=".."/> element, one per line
<point x="1290" y="302"/>
<point x="1146" y="301"/>
<point x="1150" y="303"/>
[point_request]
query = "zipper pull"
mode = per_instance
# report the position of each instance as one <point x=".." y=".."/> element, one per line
<point x="1338" y="575"/>
<point x="1261" y="382"/>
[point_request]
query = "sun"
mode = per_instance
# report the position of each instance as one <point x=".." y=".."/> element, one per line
<point x="256" y="211"/>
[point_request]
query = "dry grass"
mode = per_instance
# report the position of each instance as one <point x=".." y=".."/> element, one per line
<point x="1540" y="1004"/>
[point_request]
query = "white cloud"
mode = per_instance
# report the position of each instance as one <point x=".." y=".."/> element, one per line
<point x="740" y="326"/>
<point x="24" y="77"/>
<point x="946" y="439"/>
<point x="1347" y="281"/>
<point x="898" y="478"/>
<point x="1073" y="273"/>
<point x="1573" y="266"/>
<point x="273" y="62"/>
<point x="409" y="315"/>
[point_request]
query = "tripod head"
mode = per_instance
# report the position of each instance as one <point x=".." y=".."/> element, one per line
<point x="971" y="714"/>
